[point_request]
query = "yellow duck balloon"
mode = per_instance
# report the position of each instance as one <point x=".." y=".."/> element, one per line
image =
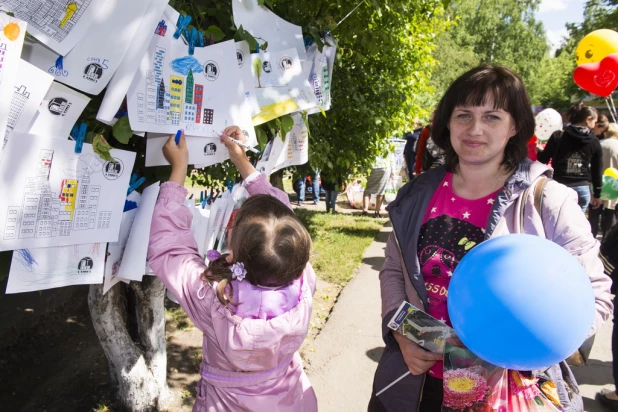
<point x="597" y="45"/>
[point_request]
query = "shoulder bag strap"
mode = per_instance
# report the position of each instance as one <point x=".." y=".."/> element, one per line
<point x="539" y="186"/>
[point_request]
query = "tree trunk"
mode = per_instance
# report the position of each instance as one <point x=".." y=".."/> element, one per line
<point x="276" y="179"/>
<point x="137" y="369"/>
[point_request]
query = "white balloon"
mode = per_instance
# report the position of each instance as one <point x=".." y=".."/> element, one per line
<point x="547" y="122"/>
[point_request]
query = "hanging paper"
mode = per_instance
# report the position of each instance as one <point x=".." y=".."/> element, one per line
<point x="244" y="64"/>
<point x="281" y="85"/>
<point x="53" y="196"/>
<point x="203" y="151"/>
<point x="90" y="65"/>
<point x="293" y="151"/>
<point x="321" y="73"/>
<point x="54" y="267"/>
<point x="133" y="265"/>
<point x="30" y="89"/>
<point x="58" y="112"/>
<point x="267" y="27"/>
<point x="115" y="250"/>
<point x="12" y="32"/>
<point x="202" y="94"/>
<point x="154" y="21"/>
<point x="58" y="24"/>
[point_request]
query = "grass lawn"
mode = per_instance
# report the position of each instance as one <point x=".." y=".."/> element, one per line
<point x="338" y="242"/>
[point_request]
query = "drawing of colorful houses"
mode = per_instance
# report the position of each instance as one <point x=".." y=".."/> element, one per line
<point x="198" y="98"/>
<point x="189" y="88"/>
<point x="68" y="196"/>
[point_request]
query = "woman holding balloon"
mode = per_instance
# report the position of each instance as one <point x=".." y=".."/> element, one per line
<point x="483" y="123"/>
<point x="576" y="155"/>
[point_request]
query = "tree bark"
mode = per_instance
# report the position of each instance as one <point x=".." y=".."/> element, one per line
<point x="276" y="179"/>
<point x="137" y="369"/>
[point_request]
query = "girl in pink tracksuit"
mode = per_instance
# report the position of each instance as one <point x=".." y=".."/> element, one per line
<point x="254" y="304"/>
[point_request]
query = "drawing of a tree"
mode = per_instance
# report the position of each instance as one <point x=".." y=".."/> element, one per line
<point x="257" y="68"/>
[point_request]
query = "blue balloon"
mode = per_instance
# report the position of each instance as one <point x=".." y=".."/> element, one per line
<point x="521" y="302"/>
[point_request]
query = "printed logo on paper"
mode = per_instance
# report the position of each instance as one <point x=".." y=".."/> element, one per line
<point x="267" y="67"/>
<point x="113" y="170"/>
<point x="210" y="149"/>
<point x="240" y="56"/>
<point x="93" y="72"/>
<point x="211" y="71"/>
<point x="84" y="267"/>
<point x="285" y="63"/>
<point x="59" y="106"/>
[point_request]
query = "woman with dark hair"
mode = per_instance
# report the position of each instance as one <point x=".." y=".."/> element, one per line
<point x="576" y="155"/>
<point x="485" y="189"/>
<point x="601" y="127"/>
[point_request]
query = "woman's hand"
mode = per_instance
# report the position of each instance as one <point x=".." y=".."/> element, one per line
<point x="237" y="152"/>
<point x="178" y="156"/>
<point x="417" y="359"/>
<point x="595" y="202"/>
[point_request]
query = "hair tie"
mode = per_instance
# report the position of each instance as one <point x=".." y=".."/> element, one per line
<point x="212" y="255"/>
<point x="238" y="271"/>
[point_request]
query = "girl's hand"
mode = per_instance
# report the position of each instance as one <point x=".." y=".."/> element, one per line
<point x="178" y="156"/>
<point x="237" y="153"/>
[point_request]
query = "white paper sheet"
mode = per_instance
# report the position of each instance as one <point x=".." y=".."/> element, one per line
<point x="53" y="196"/>
<point x="203" y="151"/>
<point x="90" y="65"/>
<point x="160" y="19"/>
<point x="58" y="112"/>
<point x="31" y="86"/>
<point x="321" y="73"/>
<point x="263" y="23"/>
<point x="47" y="268"/>
<point x="243" y="56"/>
<point x="221" y="208"/>
<point x="282" y="86"/>
<point x="293" y="151"/>
<point x="11" y="43"/>
<point x="135" y="255"/>
<point x="115" y="252"/>
<point x="59" y="24"/>
<point x="199" y="224"/>
<point x="202" y="94"/>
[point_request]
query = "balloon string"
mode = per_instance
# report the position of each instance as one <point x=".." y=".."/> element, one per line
<point x="611" y="111"/>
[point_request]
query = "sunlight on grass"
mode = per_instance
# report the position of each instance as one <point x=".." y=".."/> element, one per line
<point x="338" y="242"/>
<point x="176" y="318"/>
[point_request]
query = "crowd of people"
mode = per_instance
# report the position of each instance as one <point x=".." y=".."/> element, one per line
<point x="470" y="177"/>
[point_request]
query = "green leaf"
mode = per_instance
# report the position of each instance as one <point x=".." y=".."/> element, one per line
<point x="264" y="46"/>
<point x="122" y="130"/>
<point x="261" y="137"/>
<point x="242" y="34"/>
<point x="287" y="123"/>
<point x="102" y="148"/>
<point x="216" y="32"/>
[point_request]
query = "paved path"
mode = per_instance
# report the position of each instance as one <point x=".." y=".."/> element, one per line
<point x="346" y="352"/>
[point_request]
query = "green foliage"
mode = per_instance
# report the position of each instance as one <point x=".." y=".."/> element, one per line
<point x="102" y="148"/>
<point x="122" y="130"/>
<point x="493" y="32"/>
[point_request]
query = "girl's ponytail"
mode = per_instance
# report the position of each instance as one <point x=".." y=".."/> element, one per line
<point x="219" y="272"/>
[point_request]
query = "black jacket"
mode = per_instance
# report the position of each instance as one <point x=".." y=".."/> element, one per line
<point x="577" y="158"/>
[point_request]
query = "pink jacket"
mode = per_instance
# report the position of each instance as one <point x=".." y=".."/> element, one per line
<point x="250" y="363"/>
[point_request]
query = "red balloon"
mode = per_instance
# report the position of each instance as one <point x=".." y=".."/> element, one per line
<point x="598" y="78"/>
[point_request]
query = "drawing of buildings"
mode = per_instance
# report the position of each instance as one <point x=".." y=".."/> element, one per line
<point x="152" y="88"/>
<point x="188" y="113"/>
<point x="161" y="95"/>
<point x="176" y="83"/>
<point x="86" y="205"/>
<point x="159" y="59"/>
<point x="208" y="116"/>
<point x="55" y="18"/>
<point x="68" y="195"/>
<point x="189" y="88"/>
<point x="198" y="98"/>
<point x="18" y="102"/>
<point x="163" y="114"/>
<point x="2" y="53"/>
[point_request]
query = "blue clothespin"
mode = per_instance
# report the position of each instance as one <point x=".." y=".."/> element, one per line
<point x="79" y="136"/>
<point x="59" y="63"/>
<point x="205" y="202"/>
<point x="183" y="22"/>
<point x="229" y="184"/>
<point x="135" y="182"/>
<point x="201" y="197"/>
<point x="200" y="39"/>
<point x="121" y="113"/>
<point x="191" y="196"/>
<point x="191" y="39"/>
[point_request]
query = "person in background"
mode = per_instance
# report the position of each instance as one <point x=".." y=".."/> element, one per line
<point x="609" y="147"/>
<point x="421" y="144"/>
<point x="331" y="188"/>
<point x="609" y="256"/>
<point x="315" y="186"/>
<point x="601" y="127"/>
<point x="252" y="305"/>
<point x="377" y="181"/>
<point x="409" y="151"/>
<point x="576" y="155"/>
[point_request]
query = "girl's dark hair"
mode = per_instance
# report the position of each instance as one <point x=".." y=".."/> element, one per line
<point x="476" y="87"/>
<point x="578" y="113"/>
<point x="269" y="240"/>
